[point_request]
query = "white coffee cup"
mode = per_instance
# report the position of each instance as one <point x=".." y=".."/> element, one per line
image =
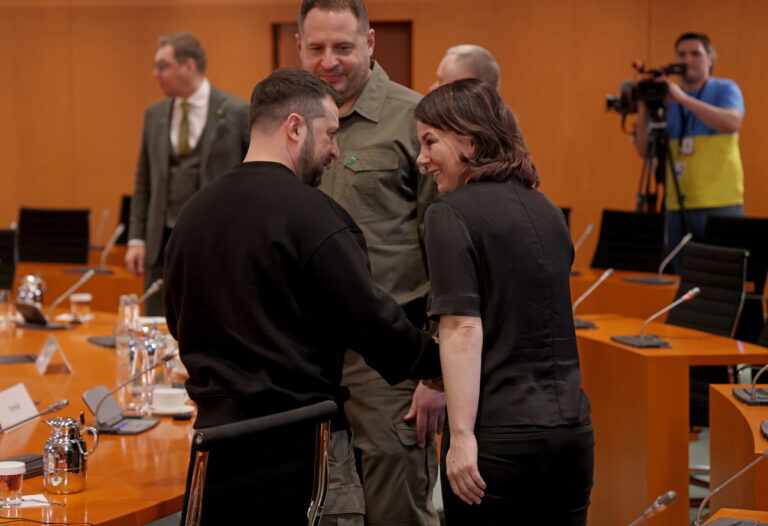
<point x="168" y="398"/>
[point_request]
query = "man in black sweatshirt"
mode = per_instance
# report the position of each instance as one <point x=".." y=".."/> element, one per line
<point x="267" y="282"/>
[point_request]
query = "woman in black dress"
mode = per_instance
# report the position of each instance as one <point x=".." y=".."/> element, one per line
<point x="519" y="442"/>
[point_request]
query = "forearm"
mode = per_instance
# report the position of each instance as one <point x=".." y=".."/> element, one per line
<point x="723" y="120"/>
<point x="461" y="343"/>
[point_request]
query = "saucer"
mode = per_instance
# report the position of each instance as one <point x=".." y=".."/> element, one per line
<point x="184" y="409"/>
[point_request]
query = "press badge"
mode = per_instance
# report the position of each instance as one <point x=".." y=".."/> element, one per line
<point x="686" y="146"/>
<point x="679" y="168"/>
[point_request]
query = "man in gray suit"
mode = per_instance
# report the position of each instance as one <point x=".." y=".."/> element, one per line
<point x="190" y="138"/>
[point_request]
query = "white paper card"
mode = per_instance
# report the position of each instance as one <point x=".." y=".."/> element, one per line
<point x="15" y="405"/>
<point x="45" y="357"/>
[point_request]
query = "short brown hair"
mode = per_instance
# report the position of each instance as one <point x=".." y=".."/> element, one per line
<point x="472" y="108"/>
<point x="705" y="42"/>
<point x="356" y="6"/>
<point x="286" y="91"/>
<point x="185" y="46"/>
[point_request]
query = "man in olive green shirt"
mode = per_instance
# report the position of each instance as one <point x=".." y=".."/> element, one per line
<point x="377" y="180"/>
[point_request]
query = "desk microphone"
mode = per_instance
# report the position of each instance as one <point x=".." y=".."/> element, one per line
<point x="102" y="268"/>
<point x="717" y="490"/>
<point x="651" y="340"/>
<point x="88" y="275"/>
<point x="153" y="288"/>
<point x="584" y="324"/>
<point x="56" y="406"/>
<point x="659" y="505"/>
<point x="165" y="358"/>
<point x="34" y="317"/>
<point x="584" y="235"/>
<point x="659" y="279"/>
<point x="100" y="229"/>
<point x="578" y="243"/>
<point x="752" y="396"/>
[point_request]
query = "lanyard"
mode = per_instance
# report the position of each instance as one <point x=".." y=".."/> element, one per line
<point x="685" y="116"/>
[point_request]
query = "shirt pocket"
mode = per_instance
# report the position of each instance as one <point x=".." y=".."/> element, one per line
<point x="372" y="184"/>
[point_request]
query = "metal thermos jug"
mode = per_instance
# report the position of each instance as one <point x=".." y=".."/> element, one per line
<point x="65" y="455"/>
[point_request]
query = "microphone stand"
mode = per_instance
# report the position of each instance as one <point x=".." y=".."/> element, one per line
<point x="752" y="396"/>
<point x="102" y="268"/>
<point x="57" y="406"/>
<point x="651" y="340"/>
<point x="34" y="317"/>
<point x="159" y="362"/>
<point x="152" y="289"/>
<point x="578" y="243"/>
<point x="659" y="505"/>
<point x="659" y="279"/>
<point x="584" y="324"/>
<point x="714" y="492"/>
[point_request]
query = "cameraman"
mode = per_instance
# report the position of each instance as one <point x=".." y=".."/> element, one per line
<point x="703" y="120"/>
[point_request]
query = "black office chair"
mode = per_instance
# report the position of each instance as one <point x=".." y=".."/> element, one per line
<point x="749" y="233"/>
<point x="53" y="236"/>
<point x="256" y="471"/>
<point x="630" y="241"/>
<point x="9" y="255"/>
<point x="720" y="273"/>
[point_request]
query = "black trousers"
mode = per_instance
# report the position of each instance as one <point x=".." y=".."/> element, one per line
<point x="540" y="476"/>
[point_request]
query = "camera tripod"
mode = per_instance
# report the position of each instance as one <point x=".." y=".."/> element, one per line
<point x="657" y="157"/>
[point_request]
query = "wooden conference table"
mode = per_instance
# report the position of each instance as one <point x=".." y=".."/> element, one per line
<point x="640" y="413"/>
<point x="132" y="480"/>
<point x="105" y="288"/>
<point x="735" y="441"/>
<point x="730" y="513"/>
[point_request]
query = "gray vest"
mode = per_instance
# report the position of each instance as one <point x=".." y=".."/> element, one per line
<point x="183" y="181"/>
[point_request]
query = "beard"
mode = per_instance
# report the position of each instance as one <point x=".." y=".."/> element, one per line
<point x="310" y="169"/>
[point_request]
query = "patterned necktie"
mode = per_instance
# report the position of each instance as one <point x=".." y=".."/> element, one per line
<point x="183" y="147"/>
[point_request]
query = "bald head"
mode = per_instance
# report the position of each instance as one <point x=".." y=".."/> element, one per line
<point x="467" y="62"/>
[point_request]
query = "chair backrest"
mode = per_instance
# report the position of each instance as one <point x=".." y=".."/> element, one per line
<point x="125" y="218"/>
<point x="630" y="241"/>
<point x="272" y="468"/>
<point x="763" y="339"/>
<point x="53" y="236"/>
<point x="9" y="255"/>
<point x="750" y="233"/>
<point x="720" y="274"/>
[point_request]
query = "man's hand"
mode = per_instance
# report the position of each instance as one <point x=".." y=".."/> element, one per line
<point x="675" y="92"/>
<point x="461" y="467"/>
<point x="436" y="384"/>
<point x="428" y="408"/>
<point x="134" y="259"/>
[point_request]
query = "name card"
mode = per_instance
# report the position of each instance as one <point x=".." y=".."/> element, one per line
<point x="45" y="362"/>
<point x="15" y="405"/>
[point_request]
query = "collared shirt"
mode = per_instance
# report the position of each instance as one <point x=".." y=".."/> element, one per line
<point x="197" y="111"/>
<point x="377" y="181"/>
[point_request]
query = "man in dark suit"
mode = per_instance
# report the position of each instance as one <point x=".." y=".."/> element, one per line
<point x="189" y="139"/>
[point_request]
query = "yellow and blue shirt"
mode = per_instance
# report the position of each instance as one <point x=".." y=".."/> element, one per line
<point x="712" y="175"/>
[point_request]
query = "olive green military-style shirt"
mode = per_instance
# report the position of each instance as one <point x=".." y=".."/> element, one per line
<point x="377" y="181"/>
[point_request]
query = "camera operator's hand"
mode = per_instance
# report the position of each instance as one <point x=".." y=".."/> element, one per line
<point x="675" y="93"/>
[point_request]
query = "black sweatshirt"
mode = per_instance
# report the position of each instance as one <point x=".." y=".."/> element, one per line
<point x="267" y="281"/>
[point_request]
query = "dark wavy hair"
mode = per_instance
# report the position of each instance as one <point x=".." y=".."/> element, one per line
<point x="472" y="108"/>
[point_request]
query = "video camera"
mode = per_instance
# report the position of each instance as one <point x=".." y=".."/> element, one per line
<point x="648" y="90"/>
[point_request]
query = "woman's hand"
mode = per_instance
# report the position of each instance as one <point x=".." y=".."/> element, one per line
<point x="461" y="465"/>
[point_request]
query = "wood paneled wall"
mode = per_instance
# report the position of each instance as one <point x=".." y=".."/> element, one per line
<point x="77" y="77"/>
